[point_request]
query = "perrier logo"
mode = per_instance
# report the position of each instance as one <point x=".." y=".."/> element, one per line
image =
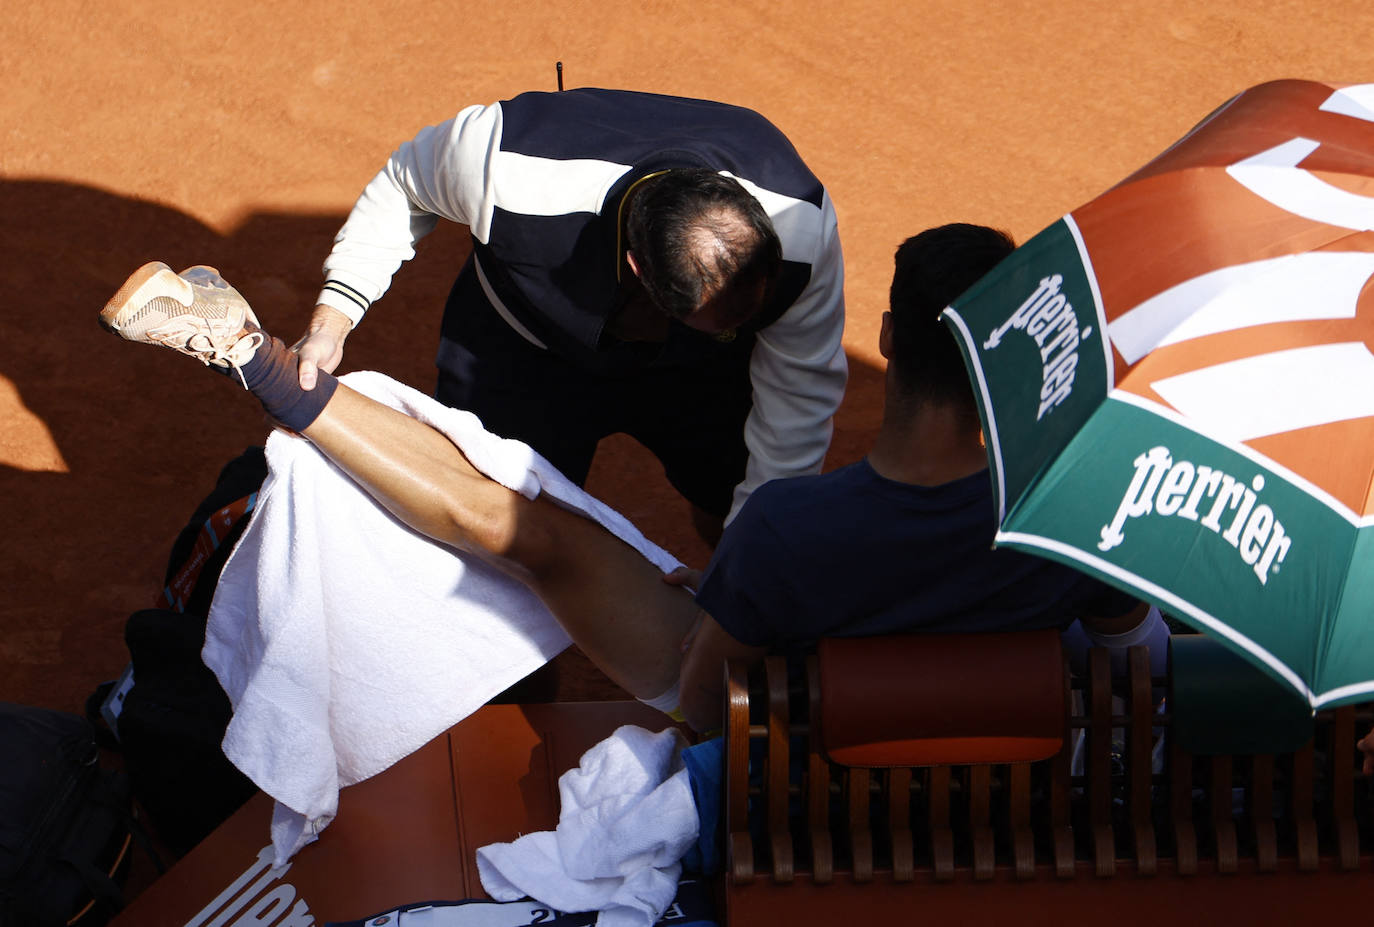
<point x="1048" y="318"/>
<point x="1228" y="505"/>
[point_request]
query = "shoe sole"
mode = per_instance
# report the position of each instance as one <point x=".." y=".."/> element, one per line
<point x="152" y="280"/>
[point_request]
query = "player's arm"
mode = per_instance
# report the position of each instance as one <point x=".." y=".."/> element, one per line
<point x="1119" y="624"/>
<point x="702" y="683"/>
<point x="739" y="600"/>
<point x="1140" y="625"/>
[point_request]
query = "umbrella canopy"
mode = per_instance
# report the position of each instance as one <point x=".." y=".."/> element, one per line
<point x="1177" y="385"/>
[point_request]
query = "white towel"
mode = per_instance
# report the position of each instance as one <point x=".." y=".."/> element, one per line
<point x="627" y="818"/>
<point x="345" y="640"/>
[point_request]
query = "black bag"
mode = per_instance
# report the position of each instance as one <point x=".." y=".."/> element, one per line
<point x="170" y="731"/>
<point x="202" y="546"/>
<point x="172" y="720"/>
<point x="65" y="822"/>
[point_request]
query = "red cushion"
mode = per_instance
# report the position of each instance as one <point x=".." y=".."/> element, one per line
<point x="937" y="699"/>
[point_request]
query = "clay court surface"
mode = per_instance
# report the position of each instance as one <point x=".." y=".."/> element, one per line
<point x="239" y="135"/>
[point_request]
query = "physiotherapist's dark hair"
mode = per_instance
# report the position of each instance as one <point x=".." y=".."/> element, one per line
<point x="932" y="270"/>
<point x="669" y="218"/>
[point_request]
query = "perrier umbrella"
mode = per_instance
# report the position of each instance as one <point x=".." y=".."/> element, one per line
<point x="1177" y="385"/>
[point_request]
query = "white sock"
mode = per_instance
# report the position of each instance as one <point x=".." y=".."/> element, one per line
<point x="667" y="702"/>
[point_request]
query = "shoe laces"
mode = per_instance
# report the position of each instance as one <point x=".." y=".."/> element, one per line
<point x="211" y="350"/>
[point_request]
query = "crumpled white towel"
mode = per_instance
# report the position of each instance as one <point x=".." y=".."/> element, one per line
<point x="345" y="640"/>
<point x="627" y="818"/>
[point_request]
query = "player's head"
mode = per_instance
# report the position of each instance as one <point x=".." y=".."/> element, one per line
<point x="932" y="270"/>
<point x="703" y="248"/>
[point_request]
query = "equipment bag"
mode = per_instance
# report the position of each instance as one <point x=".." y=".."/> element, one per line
<point x="65" y="822"/>
<point x="203" y="545"/>
<point x="168" y="711"/>
<point x="171" y="727"/>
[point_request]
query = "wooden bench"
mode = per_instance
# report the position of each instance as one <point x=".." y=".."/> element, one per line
<point x="901" y="779"/>
<point x="936" y="775"/>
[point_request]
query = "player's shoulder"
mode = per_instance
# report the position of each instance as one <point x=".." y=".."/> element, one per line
<point x="796" y="501"/>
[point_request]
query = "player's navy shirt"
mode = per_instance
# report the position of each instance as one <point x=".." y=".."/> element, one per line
<point x="850" y="553"/>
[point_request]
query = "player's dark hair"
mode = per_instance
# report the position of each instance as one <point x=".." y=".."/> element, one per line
<point x="932" y="270"/>
<point x="696" y="233"/>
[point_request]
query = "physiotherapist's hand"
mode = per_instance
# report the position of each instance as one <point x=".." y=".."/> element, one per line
<point x="684" y="576"/>
<point x="321" y="347"/>
<point x="1366" y="745"/>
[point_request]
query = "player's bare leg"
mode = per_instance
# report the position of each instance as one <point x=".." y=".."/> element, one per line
<point x="611" y="601"/>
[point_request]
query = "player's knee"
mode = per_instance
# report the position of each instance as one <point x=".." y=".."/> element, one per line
<point x="502" y="524"/>
<point x="532" y="538"/>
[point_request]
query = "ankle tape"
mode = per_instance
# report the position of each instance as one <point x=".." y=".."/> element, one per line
<point x="272" y="376"/>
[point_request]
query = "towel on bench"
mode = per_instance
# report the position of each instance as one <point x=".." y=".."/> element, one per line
<point x="626" y="819"/>
<point x="345" y="640"/>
